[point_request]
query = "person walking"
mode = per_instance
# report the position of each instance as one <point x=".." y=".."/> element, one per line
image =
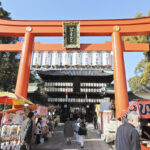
<point x="51" y="127"/>
<point x="82" y="133"/>
<point x="68" y="130"/>
<point x="95" y="121"/>
<point x="127" y="137"/>
<point x="38" y="130"/>
<point x="76" y="128"/>
<point x="26" y="131"/>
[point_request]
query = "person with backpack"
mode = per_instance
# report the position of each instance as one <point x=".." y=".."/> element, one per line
<point x="82" y="133"/>
<point x="76" y="128"/>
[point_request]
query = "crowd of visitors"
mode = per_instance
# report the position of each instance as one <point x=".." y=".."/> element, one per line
<point x="36" y="130"/>
<point x="127" y="136"/>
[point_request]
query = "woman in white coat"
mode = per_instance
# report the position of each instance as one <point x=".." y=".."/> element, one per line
<point x="77" y="126"/>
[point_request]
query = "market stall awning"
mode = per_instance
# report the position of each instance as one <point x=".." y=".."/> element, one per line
<point x="31" y="107"/>
<point x="6" y="100"/>
<point x="13" y="99"/>
<point x="141" y="106"/>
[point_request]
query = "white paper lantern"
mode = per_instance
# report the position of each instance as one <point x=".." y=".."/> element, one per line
<point x="46" y="61"/>
<point x="96" y="60"/>
<point x="37" y="58"/>
<point x="76" y="60"/>
<point x="66" y="60"/>
<point x="55" y="60"/>
<point x="107" y="59"/>
<point x="86" y="60"/>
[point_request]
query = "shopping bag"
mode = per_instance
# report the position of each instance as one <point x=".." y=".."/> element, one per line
<point x="49" y="135"/>
<point x="41" y="140"/>
<point x="23" y="147"/>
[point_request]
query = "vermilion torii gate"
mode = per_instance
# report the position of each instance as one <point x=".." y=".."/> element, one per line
<point x="113" y="28"/>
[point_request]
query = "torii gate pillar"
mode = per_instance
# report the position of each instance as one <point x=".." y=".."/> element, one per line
<point x="24" y="66"/>
<point x="121" y="96"/>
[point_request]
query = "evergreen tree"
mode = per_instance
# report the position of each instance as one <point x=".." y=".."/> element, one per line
<point x="8" y="61"/>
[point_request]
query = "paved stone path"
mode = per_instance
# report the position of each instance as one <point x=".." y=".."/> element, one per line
<point x="57" y="142"/>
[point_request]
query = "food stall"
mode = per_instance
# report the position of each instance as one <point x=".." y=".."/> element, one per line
<point x="12" y="119"/>
<point x="143" y="109"/>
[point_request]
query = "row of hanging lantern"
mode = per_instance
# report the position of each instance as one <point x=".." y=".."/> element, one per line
<point x="79" y="100"/>
<point x="53" y="89"/>
<point x="70" y="84"/>
<point x="93" y="84"/>
<point x="91" y="90"/>
<point x="55" y="84"/>
<point x="71" y="59"/>
<point x="59" y="86"/>
<point x="60" y="89"/>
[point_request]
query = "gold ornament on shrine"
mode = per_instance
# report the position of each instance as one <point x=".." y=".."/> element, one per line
<point x="116" y="28"/>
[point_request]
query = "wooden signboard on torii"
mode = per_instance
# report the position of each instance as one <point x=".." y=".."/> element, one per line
<point x="113" y="28"/>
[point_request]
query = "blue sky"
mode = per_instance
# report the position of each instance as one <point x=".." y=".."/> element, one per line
<point x="80" y="10"/>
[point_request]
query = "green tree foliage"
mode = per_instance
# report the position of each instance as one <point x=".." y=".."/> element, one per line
<point x="8" y="61"/>
<point x="141" y="80"/>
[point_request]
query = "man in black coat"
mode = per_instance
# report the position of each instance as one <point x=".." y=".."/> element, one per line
<point x="127" y="137"/>
<point x="26" y="131"/>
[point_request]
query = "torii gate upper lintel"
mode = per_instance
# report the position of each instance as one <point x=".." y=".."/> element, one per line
<point x="115" y="28"/>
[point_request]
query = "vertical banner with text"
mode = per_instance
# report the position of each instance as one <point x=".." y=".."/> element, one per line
<point x="71" y="34"/>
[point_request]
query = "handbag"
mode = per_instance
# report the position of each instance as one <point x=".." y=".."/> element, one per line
<point x="82" y="131"/>
<point x="23" y="147"/>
